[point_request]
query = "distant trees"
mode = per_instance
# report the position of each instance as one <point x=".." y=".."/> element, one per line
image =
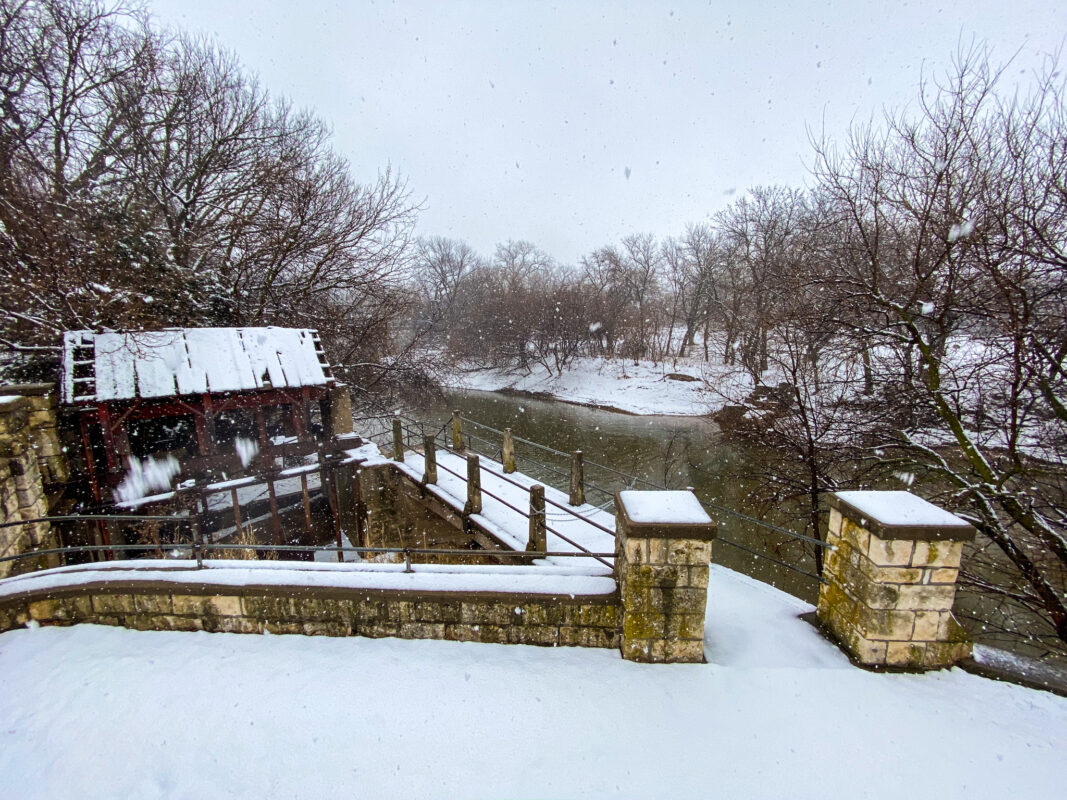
<point x="147" y="180"/>
<point x="903" y="320"/>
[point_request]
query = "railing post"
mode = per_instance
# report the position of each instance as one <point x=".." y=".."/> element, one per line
<point x="474" y="486"/>
<point x="507" y="452"/>
<point x="198" y="544"/>
<point x="538" y="540"/>
<point x="577" y="497"/>
<point x="457" y="431"/>
<point x="429" y="474"/>
<point x="398" y="439"/>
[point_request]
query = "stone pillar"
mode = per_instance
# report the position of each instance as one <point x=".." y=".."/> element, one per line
<point x="891" y="580"/>
<point x="22" y="494"/>
<point x="340" y="410"/>
<point x="662" y="551"/>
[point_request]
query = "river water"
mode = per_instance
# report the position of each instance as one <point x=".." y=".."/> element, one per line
<point x="676" y="452"/>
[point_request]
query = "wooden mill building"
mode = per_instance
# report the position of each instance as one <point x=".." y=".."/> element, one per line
<point x="199" y="395"/>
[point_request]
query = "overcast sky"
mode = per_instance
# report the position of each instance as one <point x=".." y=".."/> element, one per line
<point x="575" y="124"/>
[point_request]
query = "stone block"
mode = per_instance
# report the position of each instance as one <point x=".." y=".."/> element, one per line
<point x="945" y="654"/>
<point x="698" y="577"/>
<point x="421" y="630"/>
<point x="636" y="551"/>
<point x="217" y="605"/>
<point x="855" y="536"/>
<point x="896" y="574"/>
<point x="603" y="616"/>
<point x="52" y="610"/>
<point x="282" y="628"/>
<point x="151" y="603"/>
<point x="905" y="654"/>
<point x="541" y="635"/>
<point x="688" y="551"/>
<point x="885" y="624"/>
<point x="643" y="625"/>
<point x="435" y="611"/>
<point x="890" y="552"/>
<point x="170" y="622"/>
<point x="658" y="552"/>
<point x="326" y="628"/>
<point x="927" y="598"/>
<point x="937" y="554"/>
<point x="928" y="624"/>
<point x="112" y="604"/>
<point x="941" y="575"/>
<point x="233" y="625"/>
<point x="689" y="652"/>
<point x="685" y="626"/>
<point x="268" y="607"/>
<point x="834" y="522"/>
<point x="867" y="651"/>
<point x="377" y="630"/>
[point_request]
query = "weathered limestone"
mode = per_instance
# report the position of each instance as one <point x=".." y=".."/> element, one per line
<point x="662" y="552"/>
<point x="544" y="620"/>
<point x="891" y="580"/>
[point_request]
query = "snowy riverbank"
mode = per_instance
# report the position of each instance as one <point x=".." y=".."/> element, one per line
<point x="776" y="712"/>
<point x="644" y="388"/>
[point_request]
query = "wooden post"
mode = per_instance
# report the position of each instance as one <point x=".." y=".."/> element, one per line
<point x="429" y="474"/>
<point x="577" y="497"/>
<point x="335" y="504"/>
<point x="275" y="515"/>
<point x="398" y="439"/>
<point x="208" y="447"/>
<point x="538" y="540"/>
<point x="236" y="507"/>
<point x="507" y="451"/>
<point x="307" y="503"/>
<point x="361" y="511"/>
<point x="474" y="486"/>
<point x="457" y="431"/>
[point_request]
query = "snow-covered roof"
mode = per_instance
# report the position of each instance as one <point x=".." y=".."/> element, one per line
<point x="188" y="361"/>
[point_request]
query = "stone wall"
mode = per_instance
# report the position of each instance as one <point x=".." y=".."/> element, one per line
<point x="546" y="620"/>
<point x="30" y="457"/>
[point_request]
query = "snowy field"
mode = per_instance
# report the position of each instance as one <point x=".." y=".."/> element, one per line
<point x="776" y="713"/>
<point x="618" y="383"/>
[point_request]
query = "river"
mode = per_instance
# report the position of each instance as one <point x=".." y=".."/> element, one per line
<point x="677" y="452"/>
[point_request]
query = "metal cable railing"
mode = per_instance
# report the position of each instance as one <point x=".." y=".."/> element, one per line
<point x="632" y="480"/>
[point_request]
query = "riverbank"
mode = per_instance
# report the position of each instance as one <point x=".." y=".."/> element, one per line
<point x="682" y="388"/>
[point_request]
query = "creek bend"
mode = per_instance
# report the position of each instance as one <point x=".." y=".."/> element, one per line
<point x="665" y="450"/>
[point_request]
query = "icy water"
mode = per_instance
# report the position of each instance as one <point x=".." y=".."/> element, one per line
<point x="674" y="451"/>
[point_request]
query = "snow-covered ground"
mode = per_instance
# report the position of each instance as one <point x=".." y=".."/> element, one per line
<point x="777" y="712"/>
<point x="618" y="383"/>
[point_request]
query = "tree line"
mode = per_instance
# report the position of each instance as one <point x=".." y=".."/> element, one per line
<point x="902" y="318"/>
<point x="147" y="179"/>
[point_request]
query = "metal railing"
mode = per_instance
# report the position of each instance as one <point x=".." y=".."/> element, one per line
<point x="492" y="450"/>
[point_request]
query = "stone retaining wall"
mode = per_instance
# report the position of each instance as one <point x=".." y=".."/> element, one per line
<point x="546" y="620"/>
